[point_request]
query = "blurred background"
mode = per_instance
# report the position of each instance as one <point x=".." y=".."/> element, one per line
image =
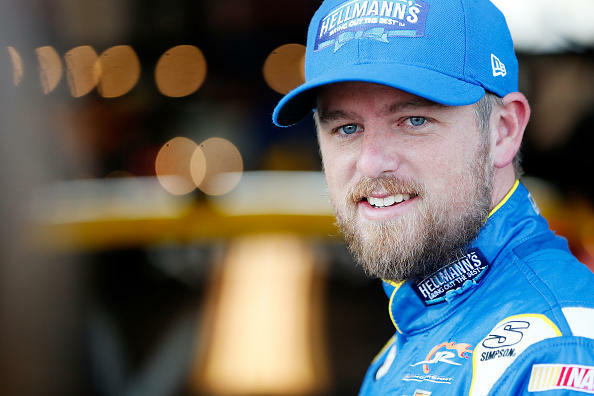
<point x="161" y="237"/>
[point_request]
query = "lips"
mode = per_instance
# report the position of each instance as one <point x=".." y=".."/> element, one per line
<point x="384" y="207"/>
<point x="385" y="197"/>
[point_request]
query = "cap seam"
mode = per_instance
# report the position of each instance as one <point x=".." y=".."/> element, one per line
<point x="465" y="39"/>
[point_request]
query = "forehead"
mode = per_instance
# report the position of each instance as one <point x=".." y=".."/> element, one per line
<point x="345" y="93"/>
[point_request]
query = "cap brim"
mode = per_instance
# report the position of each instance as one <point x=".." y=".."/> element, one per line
<point x="419" y="81"/>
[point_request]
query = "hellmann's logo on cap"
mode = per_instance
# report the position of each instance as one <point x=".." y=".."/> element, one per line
<point x="375" y="20"/>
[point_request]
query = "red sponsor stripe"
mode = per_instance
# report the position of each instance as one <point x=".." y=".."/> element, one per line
<point x="586" y="383"/>
<point x="561" y="376"/>
<point x="567" y="375"/>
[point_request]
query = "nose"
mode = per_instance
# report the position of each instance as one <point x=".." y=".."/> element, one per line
<point x="377" y="155"/>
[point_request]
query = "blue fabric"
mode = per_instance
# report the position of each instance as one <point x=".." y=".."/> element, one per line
<point x="502" y="331"/>
<point x="448" y="51"/>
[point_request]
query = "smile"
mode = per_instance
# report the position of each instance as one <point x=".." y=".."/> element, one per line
<point x="389" y="200"/>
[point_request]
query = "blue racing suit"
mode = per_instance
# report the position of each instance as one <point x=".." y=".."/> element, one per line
<point x="513" y="317"/>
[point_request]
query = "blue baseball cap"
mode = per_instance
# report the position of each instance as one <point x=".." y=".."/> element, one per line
<point x="447" y="51"/>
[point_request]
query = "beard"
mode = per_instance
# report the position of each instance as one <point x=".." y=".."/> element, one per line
<point x="433" y="234"/>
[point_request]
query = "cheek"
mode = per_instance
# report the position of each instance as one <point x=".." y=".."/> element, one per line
<point x="333" y="176"/>
<point x="441" y="166"/>
<point x="338" y="170"/>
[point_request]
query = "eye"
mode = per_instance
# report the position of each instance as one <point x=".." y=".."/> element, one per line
<point x="417" y="121"/>
<point x="348" y="129"/>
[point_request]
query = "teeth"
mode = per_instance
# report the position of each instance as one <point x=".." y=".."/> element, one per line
<point x="375" y="201"/>
<point x="388" y="201"/>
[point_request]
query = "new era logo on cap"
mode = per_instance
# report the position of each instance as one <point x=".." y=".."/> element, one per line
<point x="498" y="66"/>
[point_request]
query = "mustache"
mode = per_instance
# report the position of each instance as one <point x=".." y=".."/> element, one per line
<point x="390" y="184"/>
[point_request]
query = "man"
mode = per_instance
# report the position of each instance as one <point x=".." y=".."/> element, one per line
<point x="419" y="123"/>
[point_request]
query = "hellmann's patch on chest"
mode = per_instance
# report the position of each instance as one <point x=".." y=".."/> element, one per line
<point x="453" y="279"/>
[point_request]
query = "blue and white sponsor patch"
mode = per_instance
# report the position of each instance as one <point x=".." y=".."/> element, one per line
<point x="453" y="279"/>
<point x="371" y="19"/>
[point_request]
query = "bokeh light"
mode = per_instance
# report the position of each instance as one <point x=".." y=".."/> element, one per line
<point x="180" y="71"/>
<point x="120" y="71"/>
<point x="18" y="70"/>
<point x="224" y="166"/>
<point x="83" y="70"/>
<point x="198" y="166"/>
<point x="172" y="165"/>
<point x="50" y="68"/>
<point x="284" y="68"/>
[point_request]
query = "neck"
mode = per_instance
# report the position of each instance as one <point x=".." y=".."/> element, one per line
<point x="503" y="181"/>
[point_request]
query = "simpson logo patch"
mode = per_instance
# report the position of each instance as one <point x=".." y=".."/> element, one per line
<point x="545" y="377"/>
<point x="502" y="346"/>
<point x="453" y="279"/>
<point x="368" y="19"/>
<point x="502" y="339"/>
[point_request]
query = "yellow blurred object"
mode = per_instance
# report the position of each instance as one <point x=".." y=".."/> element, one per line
<point x="135" y="211"/>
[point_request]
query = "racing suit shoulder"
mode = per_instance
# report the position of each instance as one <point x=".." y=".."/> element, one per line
<point x="559" y="366"/>
<point x="551" y="328"/>
<point x="558" y="279"/>
<point x="564" y="277"/>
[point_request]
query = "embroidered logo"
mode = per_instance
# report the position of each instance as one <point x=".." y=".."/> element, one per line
<point x="503" y="344"/>
<point x="420" y="392"/>
<point x="506" y="334"/>
<point x="371" y="19"/>
<point x="498" y="67"/>
<point x="437" y="355"/>
<point x="453" y="279"/>
<point x="545" y="377"/>
<point x="500" y="340"/>
<point x="436" y="379"/>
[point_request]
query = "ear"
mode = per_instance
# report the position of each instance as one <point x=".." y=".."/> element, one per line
<point x="508" y="122"/>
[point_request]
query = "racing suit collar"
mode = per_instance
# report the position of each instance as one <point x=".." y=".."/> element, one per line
<point x="410" y="314"/>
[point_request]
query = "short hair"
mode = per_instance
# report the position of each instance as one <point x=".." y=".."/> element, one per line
<point x="483" y="109"/>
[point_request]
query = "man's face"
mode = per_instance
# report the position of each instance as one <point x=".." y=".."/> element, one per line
<point x="410" y="180"/>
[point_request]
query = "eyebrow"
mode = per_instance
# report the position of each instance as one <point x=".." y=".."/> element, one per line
<point x="333" y="115"/>
<point x="412" y="104"/>
<point x="326" y="116"/>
